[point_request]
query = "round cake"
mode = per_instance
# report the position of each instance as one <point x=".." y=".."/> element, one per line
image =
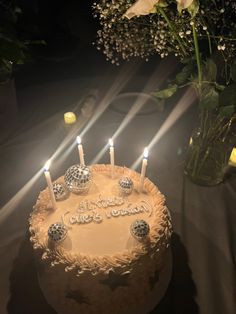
<point x="104" y="249"/>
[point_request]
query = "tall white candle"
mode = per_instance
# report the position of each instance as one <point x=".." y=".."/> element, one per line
<point x="49" y="183"/>
<point x="143" y="169"/>
<point x="112" y="156"/>
<point x="81" y="151"/>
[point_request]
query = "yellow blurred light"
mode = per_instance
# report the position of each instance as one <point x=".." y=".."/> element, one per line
<point x="69" y="117"/>
<point x="232" y="158"/>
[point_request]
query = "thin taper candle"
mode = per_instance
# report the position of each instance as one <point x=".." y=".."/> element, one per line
<point x="143" y="169"/>
<point x="81" y="151"/>
<point x="112" y="156"/>
<point x="49" y="183"/>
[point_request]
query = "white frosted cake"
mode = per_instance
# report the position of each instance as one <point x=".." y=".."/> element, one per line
<point x="105" y="250"/>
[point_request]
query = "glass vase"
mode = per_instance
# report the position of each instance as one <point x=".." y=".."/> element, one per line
<point x="208" y="153"/>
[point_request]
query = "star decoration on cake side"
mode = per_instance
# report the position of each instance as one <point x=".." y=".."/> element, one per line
<point x="116" y="280"/>
<point x="154" y="279"/>
<point x="77" y="296"/>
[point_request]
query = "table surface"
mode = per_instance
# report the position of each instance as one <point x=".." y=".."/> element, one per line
<point x="204" y="239"/>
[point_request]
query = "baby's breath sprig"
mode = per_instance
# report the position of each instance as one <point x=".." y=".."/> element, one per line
<point x="166" y="31"/>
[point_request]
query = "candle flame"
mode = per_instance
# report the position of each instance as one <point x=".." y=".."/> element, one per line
<point x="47" y="165"/>
<point x="145" y="153"/>
<point x="111" y="142"/>
<point x="78" y="139"/>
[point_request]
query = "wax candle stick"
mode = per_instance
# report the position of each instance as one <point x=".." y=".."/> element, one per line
<point x="49" y="183"/>
<point x="112" y="156"/>
<point x="143" y="169"/>
<point x="81" y="151"/>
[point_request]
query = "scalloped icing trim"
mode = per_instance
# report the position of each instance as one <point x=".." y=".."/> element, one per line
<point x="158" y="241"/>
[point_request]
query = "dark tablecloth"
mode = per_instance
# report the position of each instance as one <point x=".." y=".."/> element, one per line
<point x="204" y="239"/>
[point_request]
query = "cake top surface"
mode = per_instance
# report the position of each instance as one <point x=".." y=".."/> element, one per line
<point x="99" y="221"/>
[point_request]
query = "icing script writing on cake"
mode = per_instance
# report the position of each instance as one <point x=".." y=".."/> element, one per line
<point x="101" y="203"/>
<point x="87" y="211"/>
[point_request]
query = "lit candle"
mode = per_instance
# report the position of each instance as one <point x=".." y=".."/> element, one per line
<point x="81" y="151"/>
<point x="69" y="118"/>
<point x="49" y="183"/>
<point x="143" y="170"/>
<point x="112" y="156"/>
<point x="232" y="158"/>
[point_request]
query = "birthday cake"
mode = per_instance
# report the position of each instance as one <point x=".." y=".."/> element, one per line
<point x="105" y="247"/>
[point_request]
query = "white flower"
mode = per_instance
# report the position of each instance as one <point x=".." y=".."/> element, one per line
<point x="223" y="47"/>
<point x="145" y="7"/>
<point x="184" y="4"/>
<point x="141" y="7"/>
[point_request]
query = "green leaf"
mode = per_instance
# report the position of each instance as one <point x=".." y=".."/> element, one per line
<point x="21" y="61"/>
<point x="187" y="60"/>
<point x="167" y="92"/>
<point x="228" y="96"/>
<point x="219" y="87"/>
<point x="233" y="71"/>
<point x="227" y="111"/>
<point x="10" y="50"/>
<point x="5" y="70"/>
<point x="37" y="42"/>
<point x="184" y="75"/>
<point x="209" y="98"/>
<point x="210" y="70"/>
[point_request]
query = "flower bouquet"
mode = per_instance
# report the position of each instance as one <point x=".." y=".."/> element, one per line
<point x="202" y="35"/>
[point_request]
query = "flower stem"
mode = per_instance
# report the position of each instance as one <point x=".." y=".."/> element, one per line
<point x="172" y="29"/>
<point x="197" y="55"/>
<point x="209" y="43"/>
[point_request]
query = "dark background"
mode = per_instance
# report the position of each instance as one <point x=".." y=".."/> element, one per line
<point x="69" y="30"/>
